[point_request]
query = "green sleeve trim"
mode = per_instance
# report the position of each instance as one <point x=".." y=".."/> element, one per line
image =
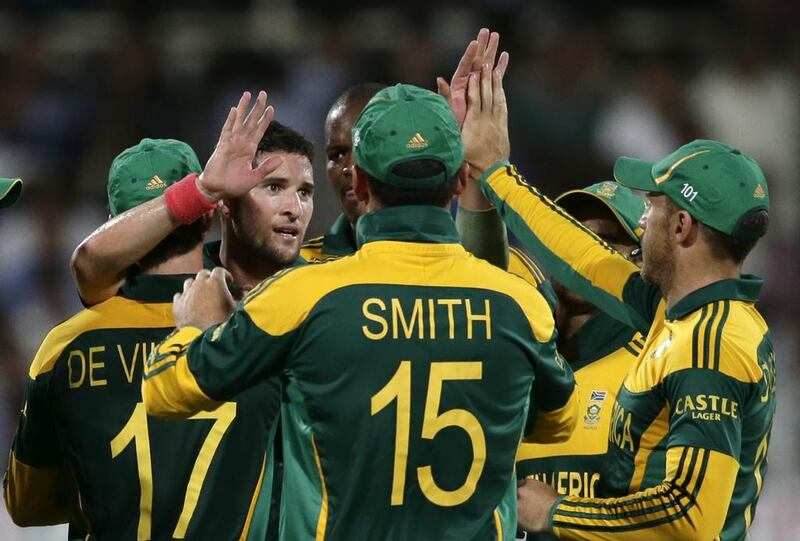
<point x="553" y="511"/>
<point x="489" y="172"/>
<point x="484" y="235"/>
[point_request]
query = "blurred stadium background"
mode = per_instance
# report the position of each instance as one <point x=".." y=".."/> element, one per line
<point x="82" y="79"/>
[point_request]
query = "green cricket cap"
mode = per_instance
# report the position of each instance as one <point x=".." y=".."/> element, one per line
<point x="142" y="172"/>
<point x="10" y="188"/>
<point x="718" y="185"/>
<point x="623" y="203"/>
<point x="405" y="123"/>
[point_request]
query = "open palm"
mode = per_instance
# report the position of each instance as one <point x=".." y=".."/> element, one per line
<point x="229" y="171"/>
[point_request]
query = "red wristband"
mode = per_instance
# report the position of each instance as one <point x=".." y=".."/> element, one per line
<point x="185" y="201"/>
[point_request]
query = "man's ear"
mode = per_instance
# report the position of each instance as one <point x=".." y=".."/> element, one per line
<point x="360" y="186"/>
<point x="685" y="228"/>
<point x="463" y="178"/>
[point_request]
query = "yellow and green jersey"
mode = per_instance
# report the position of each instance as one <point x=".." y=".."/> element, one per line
<point x="410" y="368"/>
<point x="606" y="349"/>
<point x="137" y="477"/>
<point x="340" y="241"/>
<point x="689" y="430"/>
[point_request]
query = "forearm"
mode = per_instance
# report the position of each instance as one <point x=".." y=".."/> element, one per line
<point x="569" y="252"/>
<point x="100" y="262"/>
<point x="169" y="389"/>
<point x="691" y="504"/>
<point x="483" y="234"/>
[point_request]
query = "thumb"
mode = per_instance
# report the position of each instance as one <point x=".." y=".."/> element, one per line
<point x="443" y="88"/>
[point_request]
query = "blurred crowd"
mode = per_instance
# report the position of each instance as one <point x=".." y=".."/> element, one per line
<point x="80" y="80"/>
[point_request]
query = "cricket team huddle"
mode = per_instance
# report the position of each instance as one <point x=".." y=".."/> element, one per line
<point x="408" y="375"/>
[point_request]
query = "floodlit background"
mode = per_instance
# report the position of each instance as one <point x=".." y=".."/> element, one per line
<point x="80" y="80"/>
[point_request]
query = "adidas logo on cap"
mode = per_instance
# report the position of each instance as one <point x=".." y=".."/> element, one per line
<point x="155" y="184"/>
<point x="759" y="193"/>
<point x="417" y="142"/>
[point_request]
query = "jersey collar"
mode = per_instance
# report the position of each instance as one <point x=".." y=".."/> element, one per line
<point x="340" y="239"/>
<point x="747" y="289"/>
<point x="153" y="287"/>
<point x="423" y="223"/>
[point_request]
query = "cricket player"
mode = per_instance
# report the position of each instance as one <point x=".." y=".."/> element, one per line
<point x="471" y="213"/>
<point x="599" y="349"/>
<point x="691" y="423"/>
<point x="412" y="368"/>
<point x="10" y="190"/>
<point x="87" y="453"/>
<point x="261" y="228"/>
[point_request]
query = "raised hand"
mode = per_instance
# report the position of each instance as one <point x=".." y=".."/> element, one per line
<point x="229" y="171"/>
<point x="480" y="51"/>
<point x="485" y="130"/>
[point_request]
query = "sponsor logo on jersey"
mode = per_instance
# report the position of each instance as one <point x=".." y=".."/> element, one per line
<point x="707" y="407"/>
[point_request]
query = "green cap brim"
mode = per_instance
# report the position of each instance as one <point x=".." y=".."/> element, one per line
<point x="10" y="188"/>
<point x="578" y="194"/>
<point x="635" y="174"/>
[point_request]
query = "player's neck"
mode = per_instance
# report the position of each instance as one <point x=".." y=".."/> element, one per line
<point x="188" y="263"/>
<point x="246" y="270"/>
<point x="696" y="273"/>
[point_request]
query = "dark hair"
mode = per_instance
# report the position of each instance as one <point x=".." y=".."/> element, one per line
<point x="752" y="227"/>
<point x="179" y="242"/>
<point x="393" y="196"/>
<point x="357" y="93"/>
<point x="279" y="137"/>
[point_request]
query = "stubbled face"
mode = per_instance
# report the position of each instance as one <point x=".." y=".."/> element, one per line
<point x="609" y="230"/>
<point x="272" y="218"/>
<point x="339" y="150"/>
<point x="658" y="261"/>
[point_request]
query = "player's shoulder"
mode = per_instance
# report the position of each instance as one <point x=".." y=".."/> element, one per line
<point x="114" y="313"/>
<point x="518" y="291"/>
<point x="723" y="336"/>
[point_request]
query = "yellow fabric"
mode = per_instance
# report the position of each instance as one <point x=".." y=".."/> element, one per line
<point x="589" y="437"/>
<point x="311" y="251"/>
<point x="34" y="496"/>
<point x="690" y="504"/>
<point x="115" y="313"/>
<point x="296" y="294"/>
<point x="168" y="388"/>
